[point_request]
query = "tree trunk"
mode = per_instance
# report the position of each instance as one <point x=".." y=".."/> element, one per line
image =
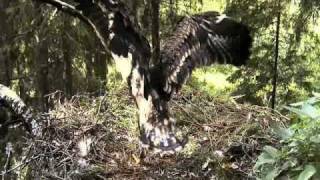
<point x="20" y="67"/>
<point x="275" y="68"/>
<point x="5" y="65"/>
<point x="100" y="65"/>
<point x="42" y="74"/>
<point x="67" y="60"/>
<point x="155" y="4"/>
<point x="145" y="19"/>
<point x="172" y="14"/>
<point x="89" y="71"/>
<point x="42" y="66"/>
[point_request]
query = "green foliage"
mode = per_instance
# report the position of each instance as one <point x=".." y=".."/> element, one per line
<point x="299" y="38"/>
<point x="299" y="156"/>
<point x="298" y="66"/>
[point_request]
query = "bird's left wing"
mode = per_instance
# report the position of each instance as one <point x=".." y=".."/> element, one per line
<point x="201" y="40"/>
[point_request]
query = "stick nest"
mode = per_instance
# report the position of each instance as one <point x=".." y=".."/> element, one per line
<point x="97" y="138"/>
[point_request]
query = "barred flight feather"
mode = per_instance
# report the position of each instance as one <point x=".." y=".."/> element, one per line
<point x="200" y="40"/>
<point x="119" y="29"/>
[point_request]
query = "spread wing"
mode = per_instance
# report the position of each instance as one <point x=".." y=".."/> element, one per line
<point x="200" y="40"/>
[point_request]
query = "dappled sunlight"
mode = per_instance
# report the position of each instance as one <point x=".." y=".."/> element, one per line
<point x="213" y="81"/>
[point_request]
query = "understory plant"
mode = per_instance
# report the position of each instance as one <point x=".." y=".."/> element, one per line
<point x="298" y="155"/>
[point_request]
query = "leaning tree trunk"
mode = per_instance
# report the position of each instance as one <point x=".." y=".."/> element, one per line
<point x="10" y="100"/>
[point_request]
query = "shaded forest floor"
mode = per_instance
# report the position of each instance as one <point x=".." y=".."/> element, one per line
<point x="97" y="138"/>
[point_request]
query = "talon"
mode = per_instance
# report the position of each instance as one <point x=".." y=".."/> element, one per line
<point x="162" y="143"/>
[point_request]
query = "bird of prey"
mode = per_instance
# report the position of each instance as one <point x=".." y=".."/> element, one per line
<point x="198" y="40"/>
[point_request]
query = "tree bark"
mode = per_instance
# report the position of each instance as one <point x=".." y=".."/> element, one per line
<point x="276" y="58"/>
<point x="67" y="60"/>
<point x="155" y="4"/>
<point x="145" y="19"/>
<point x="42" y="66"/>
<point x="89" y="69"/>
<point x="5" y="65"/>
<point x="20" y="67"/>
<point x="100" y="65"/>
<point x="42" y="74"/>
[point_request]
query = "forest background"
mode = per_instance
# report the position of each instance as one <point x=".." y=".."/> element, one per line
<point x="44" y="51"/>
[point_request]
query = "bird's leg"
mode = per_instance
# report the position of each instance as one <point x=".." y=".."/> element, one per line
<point x="158" y="129"/>
<point x="145" y="106"/>
<point x="137" y="85"/>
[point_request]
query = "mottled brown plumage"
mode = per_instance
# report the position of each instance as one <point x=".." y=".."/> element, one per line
<point x="202" y="39"/>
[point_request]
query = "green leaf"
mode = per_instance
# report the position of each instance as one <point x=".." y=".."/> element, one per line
<point x="317" y="95"/>
<point x="312" y="100"/>
<point x="292" y="162"/>
<point x="310" y="111"/>
<point x="295" y="110"/>
<point x="269" y="156"/>
<point x="307" y="173"/>
<point x="264" y="158"/>
<point x="315" y="139"/>
<point x="273" y="152"/>
<point x="272" y="174"/>
<point x="283" y="133"/>
<point x="307" y="110"/>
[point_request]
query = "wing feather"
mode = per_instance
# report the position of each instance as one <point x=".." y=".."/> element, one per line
<point x="200" y="40"/>
<point x="119" y="29"/>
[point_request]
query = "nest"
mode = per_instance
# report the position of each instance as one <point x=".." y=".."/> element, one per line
<point x="97" y="138"/>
